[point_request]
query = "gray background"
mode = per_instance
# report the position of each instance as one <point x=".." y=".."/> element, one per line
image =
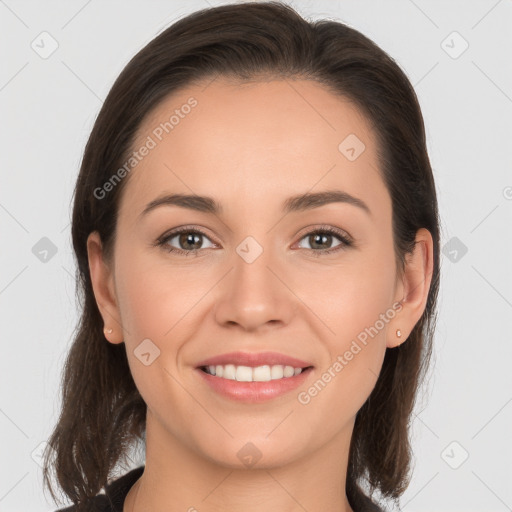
<point x="48" y="106"/>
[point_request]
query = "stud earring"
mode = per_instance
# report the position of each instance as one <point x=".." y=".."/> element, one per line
<point x="109" y="331"/>
<point x="398" y="333"/>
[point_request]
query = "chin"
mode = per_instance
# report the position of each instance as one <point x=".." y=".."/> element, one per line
<point x="253" y="451"/>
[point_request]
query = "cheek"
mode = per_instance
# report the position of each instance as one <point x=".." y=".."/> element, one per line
<point x="153" y="301"/>
<point x="351" y="297"/>
<point x="161" y="302"/>
<point x="153" y="295"/>
<point x="358" y="302"/>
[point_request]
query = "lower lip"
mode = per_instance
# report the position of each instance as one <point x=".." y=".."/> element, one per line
<point x="254" y="392"/>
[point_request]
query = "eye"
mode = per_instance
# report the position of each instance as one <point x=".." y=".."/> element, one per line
<point x="189" y="241"/>
<point x="324" y="235"/>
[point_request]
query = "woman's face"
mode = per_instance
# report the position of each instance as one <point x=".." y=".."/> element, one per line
<point x="258" y="281"/>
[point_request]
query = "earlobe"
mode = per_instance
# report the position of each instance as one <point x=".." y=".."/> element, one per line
<point x="104" y="290"/>
<point x="416" y="281"/>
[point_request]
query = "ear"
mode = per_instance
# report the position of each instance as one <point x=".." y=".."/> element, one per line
<point x="413" y="288"/>
<point x="102" y="279"/>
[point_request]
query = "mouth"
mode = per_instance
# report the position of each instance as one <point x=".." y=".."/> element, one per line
<point x="264" y="373"/>
<point x="254" y="385"/>
<point x="254" y="377"/>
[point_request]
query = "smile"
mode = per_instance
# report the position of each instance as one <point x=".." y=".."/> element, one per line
<point x="263" y="373"/>
<point x="254" y="385"/>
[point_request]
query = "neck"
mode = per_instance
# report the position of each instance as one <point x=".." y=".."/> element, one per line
<point x="178" y="478"/>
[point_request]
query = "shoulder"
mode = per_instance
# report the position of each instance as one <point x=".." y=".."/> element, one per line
<point x="99" y="503"/>
<point x="367" y="505"/>
<point x="113" y="498"/>
<point x="361" y="502"/>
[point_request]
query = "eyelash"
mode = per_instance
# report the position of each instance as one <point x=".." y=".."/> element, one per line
<point x="346" y="241"/>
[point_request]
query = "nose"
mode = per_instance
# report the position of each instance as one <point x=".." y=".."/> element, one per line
<point x="256" y="294"/>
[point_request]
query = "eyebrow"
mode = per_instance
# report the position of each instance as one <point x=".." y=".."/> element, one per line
<point x="298" y="203"/>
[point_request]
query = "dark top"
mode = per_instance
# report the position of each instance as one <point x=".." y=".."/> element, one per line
<point x="116" y="491"/>
<point x="115" y="494"/>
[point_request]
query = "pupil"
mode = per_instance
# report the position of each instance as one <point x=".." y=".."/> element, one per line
<point x="189" y="238"/>
<point x="323" y="238"/>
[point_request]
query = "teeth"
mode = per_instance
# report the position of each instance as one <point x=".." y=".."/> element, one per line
<point x="250" y="374"/>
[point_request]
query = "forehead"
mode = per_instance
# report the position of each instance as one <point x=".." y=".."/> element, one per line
<point x="250" y="143"/>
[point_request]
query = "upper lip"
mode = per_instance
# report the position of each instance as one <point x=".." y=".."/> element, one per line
<point x="254" y="359"/>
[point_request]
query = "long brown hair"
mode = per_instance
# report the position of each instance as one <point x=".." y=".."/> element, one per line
<point x="102" y="413"/>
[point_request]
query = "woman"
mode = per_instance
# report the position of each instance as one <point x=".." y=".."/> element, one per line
<point x="256" y="231"/>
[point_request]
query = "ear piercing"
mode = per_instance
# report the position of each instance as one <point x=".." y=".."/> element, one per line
<point x="398" y="332"/>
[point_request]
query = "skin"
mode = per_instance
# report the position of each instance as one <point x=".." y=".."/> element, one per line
<point x="251" y="146"/>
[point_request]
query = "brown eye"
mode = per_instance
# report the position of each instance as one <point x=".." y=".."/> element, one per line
<point x="321" y="240"/>
<point x="187" y="241"/>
